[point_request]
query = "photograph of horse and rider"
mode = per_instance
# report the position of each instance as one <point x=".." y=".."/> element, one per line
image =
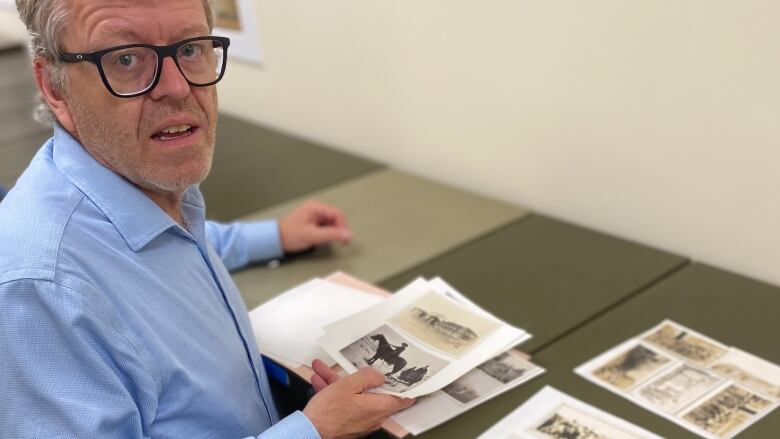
<point x="402" y="362"/>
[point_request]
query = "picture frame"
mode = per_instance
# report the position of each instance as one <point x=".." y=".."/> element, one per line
<point x="236" y="19"/>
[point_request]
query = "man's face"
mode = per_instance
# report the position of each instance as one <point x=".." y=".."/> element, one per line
<point x="126" y="134"/>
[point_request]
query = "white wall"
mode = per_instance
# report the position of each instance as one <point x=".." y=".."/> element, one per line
<point x="656" y="121"/>
<point x="10" y="25"/>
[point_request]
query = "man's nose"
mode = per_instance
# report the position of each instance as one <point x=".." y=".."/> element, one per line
<point x="172" y="82"/>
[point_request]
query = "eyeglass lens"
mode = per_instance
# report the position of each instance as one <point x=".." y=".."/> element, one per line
<point x="132" y="70"/>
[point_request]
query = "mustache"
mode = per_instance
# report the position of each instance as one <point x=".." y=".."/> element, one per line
<point x="165" y="108"/>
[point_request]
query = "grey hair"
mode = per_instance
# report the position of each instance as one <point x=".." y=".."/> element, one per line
<point x="45" y="21"/>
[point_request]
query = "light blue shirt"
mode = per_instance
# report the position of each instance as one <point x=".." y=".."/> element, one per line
<point x="117" y="322"/>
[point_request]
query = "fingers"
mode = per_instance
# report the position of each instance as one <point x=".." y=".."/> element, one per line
<point x="313" y="224"/>
<point x="324" y="371"/>
<point x="329" y="223"/>
<point x="365" y="378"/>
<point x="384" y="406"/>
<point x="325" y="214"/>
<point x="319" y="235"/>
<point x="318" y="383"/>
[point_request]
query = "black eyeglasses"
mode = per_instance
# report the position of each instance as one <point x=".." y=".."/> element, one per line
<point x="134" y="69"/>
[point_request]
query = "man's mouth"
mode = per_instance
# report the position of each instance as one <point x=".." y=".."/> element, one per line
<point x="174" y="132"/>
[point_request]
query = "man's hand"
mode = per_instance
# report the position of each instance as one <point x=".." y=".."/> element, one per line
<point x="313" y="224"/>
<point x="323" y="375"/>
<point x="340" y="409"/>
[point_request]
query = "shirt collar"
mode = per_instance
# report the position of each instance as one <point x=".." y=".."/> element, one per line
<point x="137" y="218"/>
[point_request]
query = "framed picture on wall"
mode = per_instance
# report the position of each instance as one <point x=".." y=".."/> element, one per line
<point x="236" y="19"/>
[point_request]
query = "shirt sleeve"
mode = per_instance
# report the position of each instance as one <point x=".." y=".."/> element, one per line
<point x="66" y="371"/>
<point x="239" y="244"/>
<point x="296" y="425"/>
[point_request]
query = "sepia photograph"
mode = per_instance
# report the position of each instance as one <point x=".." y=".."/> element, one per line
<point x="444" y="325"/>
<point x="674" y="390"/>
<point x="728" y="411"/>
<point x="631" y="367"/>
<point x="404" y="365"/>
<point x="226" y="14"/>
<point x="682" y="342"/>
<point x="569" y="423"/>
<point x="752" y="372"/>
<point x="741" y="376"/>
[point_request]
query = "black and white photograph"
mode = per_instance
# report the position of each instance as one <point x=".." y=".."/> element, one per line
<point x="682" y="342"/>
<point x="674" y="390"/>
<point x="471" y="386"/>
<point x="404" y="365"/>
<point x="444" y="325"/>
<point x="728" y="411"/>
<point x="507" y="366"/>
<point x="569" y="423"/>
<point x="631" y="367"/>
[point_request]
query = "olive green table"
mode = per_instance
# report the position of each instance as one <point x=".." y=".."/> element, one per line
<point x="399" y="221"/>
<point x="256" y="167"/>
<point x="732" y="309"/>
<point x="546" y="276"/>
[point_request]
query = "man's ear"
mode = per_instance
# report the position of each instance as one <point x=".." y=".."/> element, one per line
<point x="51" y="95"/>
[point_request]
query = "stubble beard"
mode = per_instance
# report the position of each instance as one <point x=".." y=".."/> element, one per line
<point x="107" y="143"/>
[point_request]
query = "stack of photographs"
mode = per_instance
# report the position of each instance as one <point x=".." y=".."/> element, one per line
<point x="422" y="338"/>
<point x="711" y="389"/>
<point x="551" y="414"/>
<point x="488" y="380"/>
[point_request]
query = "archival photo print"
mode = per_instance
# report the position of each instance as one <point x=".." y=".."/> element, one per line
<point x="569" y="423"/>
<point x="507" y="367"/>
<point x="728" y="411"/>
<point x="631" y="367"/>
<point x="444" y="325"/>
<point x="750" y="371"/>
<point x="226" y="14"/>
<point x="678" y="388"/>
<point x="489" y="377"/>
<point x="691" y="346"/>
<point x="404" y="365"/>
<point x="472" y="386"/>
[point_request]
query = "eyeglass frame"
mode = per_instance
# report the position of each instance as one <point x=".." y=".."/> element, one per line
<point x="162" y="53"/>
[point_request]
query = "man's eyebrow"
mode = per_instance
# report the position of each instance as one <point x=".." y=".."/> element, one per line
<point x="116" y="34"/>
<point x="124" y="35"/>
<point x="196" y="30"/>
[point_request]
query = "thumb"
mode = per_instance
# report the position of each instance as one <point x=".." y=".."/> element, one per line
<point x="365" y="378"/>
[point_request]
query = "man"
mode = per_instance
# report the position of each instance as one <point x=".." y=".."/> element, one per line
<point x="119" y="318"/>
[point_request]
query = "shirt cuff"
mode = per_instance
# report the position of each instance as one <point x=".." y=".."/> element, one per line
<point x="296" y="425"/>
<point x="263" y="241"/>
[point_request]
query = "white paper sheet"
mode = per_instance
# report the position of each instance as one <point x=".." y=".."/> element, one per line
<point x="684" y="375"/>
<point x="539" y="413"/>
<point x="447" y="366"/>
<point x="289" y="325"/>
<point x="466" y="392"/>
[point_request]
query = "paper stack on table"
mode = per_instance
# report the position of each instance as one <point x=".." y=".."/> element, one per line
<point x="421" y="338"/>
<point x="711" y="389"/>
<point x="288" y="326"/>
<point x="553" y="414"/>
<point x="428" y="339"/>
<point x="488" y="380"/>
